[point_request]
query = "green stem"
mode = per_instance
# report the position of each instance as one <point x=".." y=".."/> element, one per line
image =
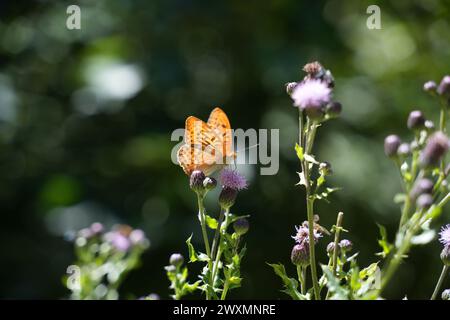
<point x="336" y="240"/>
<point x="301" y="279"/>
<point x="216" y="235"/>
<point x="222" y="227"/>
<point x="440" y="282"/>
<point x="225" y="290"/>
<point x="201" y="214"/>
<point x="309" y="140"/>
<point x="312" y="254"/>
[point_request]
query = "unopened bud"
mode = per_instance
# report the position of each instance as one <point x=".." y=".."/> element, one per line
<point x="424" y="201"/>
<point x="444" y="87"/>
<point x="209" y="183"/>
<point x="346" y="245"/>
<point x="391" y="144"/>
<point x="445" y="256"/>
<point x="436" y="147"/>
<point x="196" y="181"/>
<point x="227" y="197"/>
<point x="176" y="260"/>
<point x="416" y="120"/>
<point x="241" y="226"/>
<point x="300" y="255"/>
<point x="430" y="86"/>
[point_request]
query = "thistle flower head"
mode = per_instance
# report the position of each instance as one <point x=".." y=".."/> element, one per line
<point x="330" y="248"/>
<point x="444" y="87"/>
<point x="445" y="255"/>
<point x="227" y="197"/>
<point x="424" y="201"/>
<point x="421" y="186"/>
<point x="311" y="94"/>
<point x="416" y="120"/>
<point x="176" y="260"/>
<point x="196" y="181"/>
<point x="435" y="148"/>
<point x="391" y="144"/>
<point x="241" y="226"/>
<point x="302" y="234"/>
<point x="118" y="240"/>
<point x="444" y="235"/>
<point x="233" y="180"/>
<point x="209" y="183"/>
<point x="300" y="254"/>
<point x="430" y="86"/>
<point x="346" y="245"/>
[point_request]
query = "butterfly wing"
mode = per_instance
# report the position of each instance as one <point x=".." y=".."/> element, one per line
<point x="199" y="151"/>
<point x="221" y="127"/>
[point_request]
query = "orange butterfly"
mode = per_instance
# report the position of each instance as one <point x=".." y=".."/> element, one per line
<point x="207" y="145"/>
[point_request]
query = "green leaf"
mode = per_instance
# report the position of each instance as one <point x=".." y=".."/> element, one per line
<point x="192" y="254"/>
<point x="211" y="222"/>
<point x="434" y="212"/>
<point x="369" y="271"/>
<point x="320" y="180"/>
<point x="333" y="284"/>
<point x="384" y="244"/>
<point x="299" y="151"/>
<point x="290" y="284"/>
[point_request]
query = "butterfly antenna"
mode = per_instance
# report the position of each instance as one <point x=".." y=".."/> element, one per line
<point x="248" y="148"/>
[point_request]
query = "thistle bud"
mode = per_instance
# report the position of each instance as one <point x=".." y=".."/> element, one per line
<point x="424" y="201"/>
<point x="422" y="186"/>
<point x="241" y="226"/>
<point x="435" y="149"/>
<point x="325" y="168"/>
<point x="346" y="245"/>
<point x="176" y="260"/>
<point x="430" y="87"/>
<point x="290" y="86"/>
<point x="391" y="144"/>
<point x="333" y="109"/>
<point x="444" y="87"/>
<point x="300" y="255"/>
<point x="445" y="256"/>
<point x="330" y="248"/>
<point x="227" y="197"/>
<point x="446" y="294"/>
<point x="196" y="181"/>
<point x="209" y="183"/>
<point x="404" y="150"/>
<point x="315" y="111"/>
<point x="416" y="120"/>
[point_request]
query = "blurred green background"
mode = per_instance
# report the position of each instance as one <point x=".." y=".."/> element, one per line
<point x="86" y="117"/>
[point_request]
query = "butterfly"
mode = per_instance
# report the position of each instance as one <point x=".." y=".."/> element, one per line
<point x="207" y="145"/>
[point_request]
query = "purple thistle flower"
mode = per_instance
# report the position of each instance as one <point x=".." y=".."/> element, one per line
<point x="302" y="235"/>
<point x="430" y="86"/>
<point x="445" y="235"/>
<point x="444" y="86"/>
<point x="311" y="93"/>
<point x="233" y="180"/>
<point x="119" y="241"/>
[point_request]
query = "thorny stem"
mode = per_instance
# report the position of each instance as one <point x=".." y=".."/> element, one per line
<point x="309" y="140"/>
<point x="440" y="282"/>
